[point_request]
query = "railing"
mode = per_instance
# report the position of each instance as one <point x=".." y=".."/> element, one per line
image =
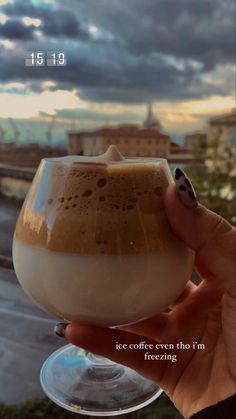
<point x="17" y="172"/>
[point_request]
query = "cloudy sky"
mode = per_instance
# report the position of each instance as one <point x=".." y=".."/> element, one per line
<point x="179" y="54"/>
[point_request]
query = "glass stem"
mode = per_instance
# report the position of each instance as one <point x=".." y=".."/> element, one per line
<point x="103" y="368"/>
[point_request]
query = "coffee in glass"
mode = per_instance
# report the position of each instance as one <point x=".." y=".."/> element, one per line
<point x="93" y="244"/>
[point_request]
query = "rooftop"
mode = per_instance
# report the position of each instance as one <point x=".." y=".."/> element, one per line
<point x="123" y="130"/>
<point x="226" y="119"/>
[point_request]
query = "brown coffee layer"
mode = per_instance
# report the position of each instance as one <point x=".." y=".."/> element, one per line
<point x="101" y="208"/>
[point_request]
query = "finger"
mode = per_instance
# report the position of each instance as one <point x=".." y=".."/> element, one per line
<point x="229" y="325"/>
<point x="212" y="237"/>
<point x="155" y="327"/>
<point x="189" y="289"/>
<point x="202" y="269"/>
<point x="103" y="341"/>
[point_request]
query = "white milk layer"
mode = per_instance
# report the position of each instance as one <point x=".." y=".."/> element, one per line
<point x="106" y="290"/>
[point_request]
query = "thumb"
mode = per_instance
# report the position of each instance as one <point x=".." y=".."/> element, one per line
<point x="212" y="237"/>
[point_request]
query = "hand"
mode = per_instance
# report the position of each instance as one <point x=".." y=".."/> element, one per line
<point x="205" y="314"/>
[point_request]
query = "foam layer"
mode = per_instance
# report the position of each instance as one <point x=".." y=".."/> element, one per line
<point x="105" y="290"/>
<point x="105" y="204"/>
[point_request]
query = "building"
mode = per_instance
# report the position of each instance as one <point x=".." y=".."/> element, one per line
<point x="221" y="143"/>
<point x="223" y="128"/>
<point x="131" y="139"/>
<point x="2" y="134"/>
<point x="75" y="142"/>
<point x="196" y="140"/>
<point x="151" y="120"/>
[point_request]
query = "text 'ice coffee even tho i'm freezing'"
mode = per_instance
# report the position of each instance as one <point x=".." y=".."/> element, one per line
<point x="92" y="242"/>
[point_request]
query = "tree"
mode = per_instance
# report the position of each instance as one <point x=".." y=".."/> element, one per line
<point x="215" y="180"/>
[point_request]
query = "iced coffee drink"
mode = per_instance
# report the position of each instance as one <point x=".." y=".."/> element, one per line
<point x="93" y="244"/>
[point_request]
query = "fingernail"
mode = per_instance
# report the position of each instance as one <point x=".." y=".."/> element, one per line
<point x="185" y="188"/>
<point x="60" y="329"/>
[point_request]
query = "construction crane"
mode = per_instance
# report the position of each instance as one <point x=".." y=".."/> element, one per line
<point x="15" y="129"/>
<point x="2" y="134"/>
<point x="48" y="133"/>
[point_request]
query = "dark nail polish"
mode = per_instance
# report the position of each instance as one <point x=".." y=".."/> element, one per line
<point x="60" y="329"/>
<point x="185" y="188"/>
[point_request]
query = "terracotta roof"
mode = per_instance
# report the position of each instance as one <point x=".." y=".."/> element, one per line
<point x="124" y="131"/>
<point x="130" y="131"/>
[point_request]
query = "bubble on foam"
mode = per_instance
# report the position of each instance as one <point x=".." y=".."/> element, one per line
<point x="102" y="182"/>
<point x="109" y="187"/>
<point x="87" y="193"/>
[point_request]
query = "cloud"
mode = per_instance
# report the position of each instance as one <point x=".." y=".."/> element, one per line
<point x="63" y="23"/>
<point x="13" y="29"/>
<point x="28" y="21"/>
<point x="188" y="115"/>
<point x="140" y="50"/>
<point x="100" y="77"/>
<point x="56" y="22"/>
<point x="14" y="87"/>
<point x="30" y="105"/>
<point x="176" y="117"/>
<point x="20" y="8"/>
<point x="6" y="43"/>
<point x="3" y="18"/>
<point x="4" y="2"/>
<point x="202" y="30"/>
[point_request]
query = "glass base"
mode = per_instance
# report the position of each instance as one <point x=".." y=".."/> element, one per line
<point x="91" y="385"/>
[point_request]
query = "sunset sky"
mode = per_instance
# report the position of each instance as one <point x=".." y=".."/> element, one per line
<point x="121" y="54"/>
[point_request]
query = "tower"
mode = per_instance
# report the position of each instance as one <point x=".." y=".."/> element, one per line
<point x="151" y="120"/>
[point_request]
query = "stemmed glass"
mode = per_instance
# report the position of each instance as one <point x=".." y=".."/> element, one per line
<point x="92" y="244"/>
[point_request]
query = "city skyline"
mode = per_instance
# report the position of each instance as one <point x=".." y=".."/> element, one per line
<point x="179" y="54"/>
